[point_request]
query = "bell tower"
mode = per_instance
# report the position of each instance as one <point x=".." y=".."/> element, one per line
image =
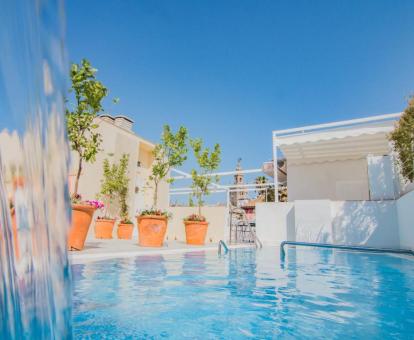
<point x="238" y="197"/>
<point x="239" y="177"/>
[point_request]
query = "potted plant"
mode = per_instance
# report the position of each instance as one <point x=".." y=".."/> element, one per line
<point x="84" y="140"/>
<point x="82" y="213"/>
<point x="104" y="225"/>
<point x="121" y="183"/>
<point x="125" y="229"/>
<point x="208" y="161"/>
<point x="111" y="184"/>
<point x="170" y="152"/>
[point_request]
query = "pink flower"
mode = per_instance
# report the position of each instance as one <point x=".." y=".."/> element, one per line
<point x="95" y="203"/>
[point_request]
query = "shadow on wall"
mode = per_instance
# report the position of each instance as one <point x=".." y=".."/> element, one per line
<point x="369" y="223"/>
<point x="313" y="221"/>
<point x="383" y="182"/>
<point x="365" y="223"/>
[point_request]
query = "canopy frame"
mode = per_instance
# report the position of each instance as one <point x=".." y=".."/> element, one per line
<point x="279" y="135"/>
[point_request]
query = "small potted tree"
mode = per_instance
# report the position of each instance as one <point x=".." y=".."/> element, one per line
<point x="84" y="140"/>
<point x="125" y="226"/>
<point x="170" y="152"/>
<point x="104" y="224"/>
<point x="111" y="185"/>
<point x="208" y="161"/>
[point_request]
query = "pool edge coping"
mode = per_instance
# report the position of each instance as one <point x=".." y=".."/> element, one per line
<point x="77" y="258"/>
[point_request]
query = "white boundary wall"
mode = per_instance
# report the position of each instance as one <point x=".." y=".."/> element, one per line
<point x="365" y="223"/>
<point x="216" y="216"/>
<point x="388" y="224"/>
<point x="275" y="222"/>
<point x="405" y="212"/>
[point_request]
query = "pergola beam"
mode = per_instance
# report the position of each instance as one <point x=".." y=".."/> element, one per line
<point x="225" y="173"/>
<point x="229" y="187"/>
<point x="343" y="123"/>
<point x="186" y="175"/>
<point x="213" y="191"/>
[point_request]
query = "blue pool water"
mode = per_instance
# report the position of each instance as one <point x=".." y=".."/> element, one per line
<point x="246" y="294"/>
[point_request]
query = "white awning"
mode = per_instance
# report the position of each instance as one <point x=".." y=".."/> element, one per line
<point x="339" y="143"/>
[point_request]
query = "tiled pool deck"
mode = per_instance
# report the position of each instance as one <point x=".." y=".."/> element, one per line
<point x="96" y="250"/>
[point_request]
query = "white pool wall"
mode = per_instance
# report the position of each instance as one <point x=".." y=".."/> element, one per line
<point x="405" y="212"/>
<point x="388" y="223"/>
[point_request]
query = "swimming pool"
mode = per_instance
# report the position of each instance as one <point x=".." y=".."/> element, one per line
<point x="245" y="294"/>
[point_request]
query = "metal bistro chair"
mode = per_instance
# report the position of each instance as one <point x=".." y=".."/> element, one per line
<point x="241" y="229"/>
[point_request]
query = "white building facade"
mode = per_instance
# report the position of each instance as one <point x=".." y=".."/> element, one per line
<point x="118" y="139"/>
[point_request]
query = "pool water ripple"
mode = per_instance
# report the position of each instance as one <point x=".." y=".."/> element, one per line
<point x="246" y="294"/>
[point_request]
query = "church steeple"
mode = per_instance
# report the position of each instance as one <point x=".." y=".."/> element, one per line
<point x="238" y="177"/>
<point x="238" y="197"/>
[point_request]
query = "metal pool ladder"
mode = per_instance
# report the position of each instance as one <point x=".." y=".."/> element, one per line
<point x="257" y="242"/>
<point x="222" y="245"/>
<point x="335" y="246"/>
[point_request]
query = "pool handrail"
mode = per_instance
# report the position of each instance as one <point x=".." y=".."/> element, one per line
<point x="221" y="245"/>
<point x="257" y="242"/>
<point x="344" y="247"/>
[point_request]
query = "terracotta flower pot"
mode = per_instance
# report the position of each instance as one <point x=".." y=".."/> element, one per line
<point x="81" y="219"/>
<point x="151" y="230"/>
<point x="125" y="231"/>
<point x="103" y="228"/>
<point x="195" y="232"/>
<point x="15" y="235"/>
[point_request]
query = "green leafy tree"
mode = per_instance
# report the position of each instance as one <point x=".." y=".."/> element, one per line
<point x="170" y="152"/>
<point x="114" y="184"/>
<point x="208" y="161"/>
<point x="260" y="180"/>
<point x="123" y="185"/>
<point x="283" y="194"/>
<point x="88" y="93"/>
<point x="268" y="193"/>
<point x="403" y="140"/>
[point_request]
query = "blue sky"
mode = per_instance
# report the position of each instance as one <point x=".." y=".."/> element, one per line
<point x="233" y="71"/>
